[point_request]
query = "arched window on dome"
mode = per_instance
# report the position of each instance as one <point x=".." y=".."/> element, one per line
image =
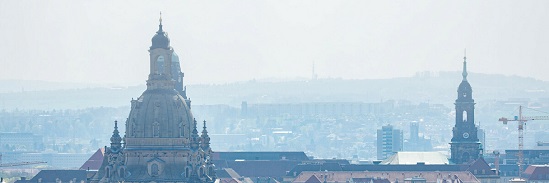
<point x="160" y="65"/>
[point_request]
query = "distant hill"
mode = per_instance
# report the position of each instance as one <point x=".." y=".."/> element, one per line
<point x="10" y="86"/>
<point x="70" y="98"/>
<point x="425" y="87"/>
<point x="440" y="88"/>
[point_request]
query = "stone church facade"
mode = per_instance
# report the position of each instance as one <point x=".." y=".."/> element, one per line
<point x="161" y="142"/>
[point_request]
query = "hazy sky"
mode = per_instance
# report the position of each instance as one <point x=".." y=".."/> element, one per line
<point x="226" y="41"/>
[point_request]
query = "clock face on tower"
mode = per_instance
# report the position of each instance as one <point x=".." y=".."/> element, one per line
<point x="465" y="135"/>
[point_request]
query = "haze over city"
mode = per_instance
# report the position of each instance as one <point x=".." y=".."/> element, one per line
<point x="222" y="42"/>
<point x="274" y="91"/>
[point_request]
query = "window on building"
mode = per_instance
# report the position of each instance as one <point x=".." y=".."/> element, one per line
<point x="154" y="169"/>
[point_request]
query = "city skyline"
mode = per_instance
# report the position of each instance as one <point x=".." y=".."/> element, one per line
<point x="239" y="41"/>
<point x="351" y="120"/>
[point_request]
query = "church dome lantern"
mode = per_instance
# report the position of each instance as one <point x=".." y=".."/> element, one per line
<point x="160" y="39"/>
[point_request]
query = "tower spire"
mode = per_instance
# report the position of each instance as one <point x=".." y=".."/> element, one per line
<point x="115" y="138"/>
<point x="204" y="131"/>
<point x="195" y="131"/>
<point x="464" y="74"/>
<point x="205" y="138"/>
<point x="204" y="128"/>
<point x="160" y="25"/>
<point x="194" y="136"/>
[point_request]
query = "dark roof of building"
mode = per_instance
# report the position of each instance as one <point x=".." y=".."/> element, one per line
<point x="220" y="164"/>
<point x="420" y="167"/>
<point x="478" y="165"/>
<point x="508" y="167"/>
<point x="274" y="169"/>
<point x="371" y="180"/>
<point x="339" y="161"/>
<point x="222" y="173"/>
<point x="297" y="156"/>
<point x="331" y="167"/>
<point x="481" y="168"/>
<point x="315" y="167"/>
<point x="302" y="168"/>
<point x="47" y="176"/>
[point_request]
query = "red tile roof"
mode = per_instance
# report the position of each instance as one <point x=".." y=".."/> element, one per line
<point x="312" y="179"/>
<point x="94" y="162"/>
<point x="537" y="172"/>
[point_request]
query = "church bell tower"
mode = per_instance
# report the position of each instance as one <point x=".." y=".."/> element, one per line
<point x="465" y="145"/>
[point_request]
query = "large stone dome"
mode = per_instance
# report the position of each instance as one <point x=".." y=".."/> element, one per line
<point x="159" y="113"/>
<point x="161" y="143"/>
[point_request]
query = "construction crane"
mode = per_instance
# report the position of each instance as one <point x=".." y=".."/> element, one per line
<point x="521" y="122"/>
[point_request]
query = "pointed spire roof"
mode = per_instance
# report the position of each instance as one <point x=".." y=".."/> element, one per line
<point x="205" y="138"/>
<point x="116" y="140"/>
<point x="465" y="92"/>
<point x="204" y="131"/>
<point x="464" y="74"/>
<point x="160" y="25"/>
<point x="195" y="131"/>
<point x="194" y="137"/>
